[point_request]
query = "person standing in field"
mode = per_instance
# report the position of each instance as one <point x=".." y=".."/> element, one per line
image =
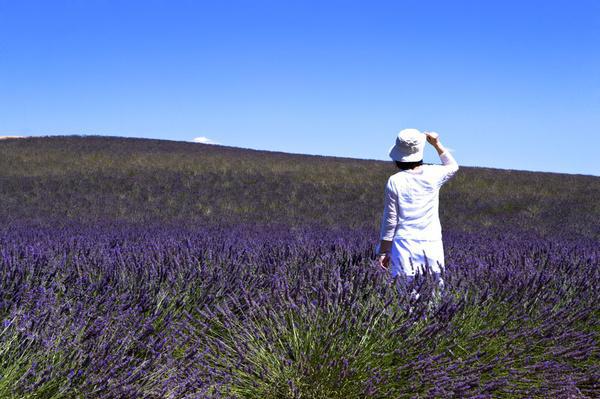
<point x="411" y="233"/>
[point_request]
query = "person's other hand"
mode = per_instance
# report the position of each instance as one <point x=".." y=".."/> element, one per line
<point x="432" y="137"/>
<point x="383" y="261"/>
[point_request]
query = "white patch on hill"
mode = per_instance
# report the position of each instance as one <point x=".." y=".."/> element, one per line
<point x="11" y="137"/>
<point x="204" y="140"/>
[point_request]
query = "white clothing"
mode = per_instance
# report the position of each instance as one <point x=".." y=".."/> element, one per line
<point x="409" y="256"/>
<point x="410" y="215"/>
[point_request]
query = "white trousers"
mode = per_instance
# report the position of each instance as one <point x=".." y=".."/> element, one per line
<point x="409" y="256"/>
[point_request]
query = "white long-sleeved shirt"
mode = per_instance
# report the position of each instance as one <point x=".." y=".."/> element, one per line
<point x="411" y="201"/>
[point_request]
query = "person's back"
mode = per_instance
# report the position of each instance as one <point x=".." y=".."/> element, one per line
<point x="418" y="200"/>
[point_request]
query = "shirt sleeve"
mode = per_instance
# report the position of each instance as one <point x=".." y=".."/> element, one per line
<point x="390" y="212"/>
<point x="448" y="168"/>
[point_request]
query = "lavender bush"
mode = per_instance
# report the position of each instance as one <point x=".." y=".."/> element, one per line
<point x="249" y="312"/>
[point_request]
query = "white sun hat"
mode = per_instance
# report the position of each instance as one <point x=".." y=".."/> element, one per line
<point x="409" y="146"/>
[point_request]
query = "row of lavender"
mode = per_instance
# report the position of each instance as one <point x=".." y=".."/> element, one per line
<point x="113" y="311"/>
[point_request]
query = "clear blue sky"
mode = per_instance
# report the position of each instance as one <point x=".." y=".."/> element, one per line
<point x="513" y="84"/>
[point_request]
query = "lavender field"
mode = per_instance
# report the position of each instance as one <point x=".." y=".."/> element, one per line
<point x="133" y="268"/>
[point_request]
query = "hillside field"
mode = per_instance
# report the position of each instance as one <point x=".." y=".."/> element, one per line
<point x="140" y="268"/>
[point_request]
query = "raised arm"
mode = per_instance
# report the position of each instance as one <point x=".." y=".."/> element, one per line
<point x="445" y="156"/>
<point x="449" y="164"/>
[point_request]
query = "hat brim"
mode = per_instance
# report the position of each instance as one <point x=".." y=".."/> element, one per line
<point x="397" y="155"/>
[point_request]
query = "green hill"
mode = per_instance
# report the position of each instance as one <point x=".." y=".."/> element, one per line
<point x="92" y="178"/>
